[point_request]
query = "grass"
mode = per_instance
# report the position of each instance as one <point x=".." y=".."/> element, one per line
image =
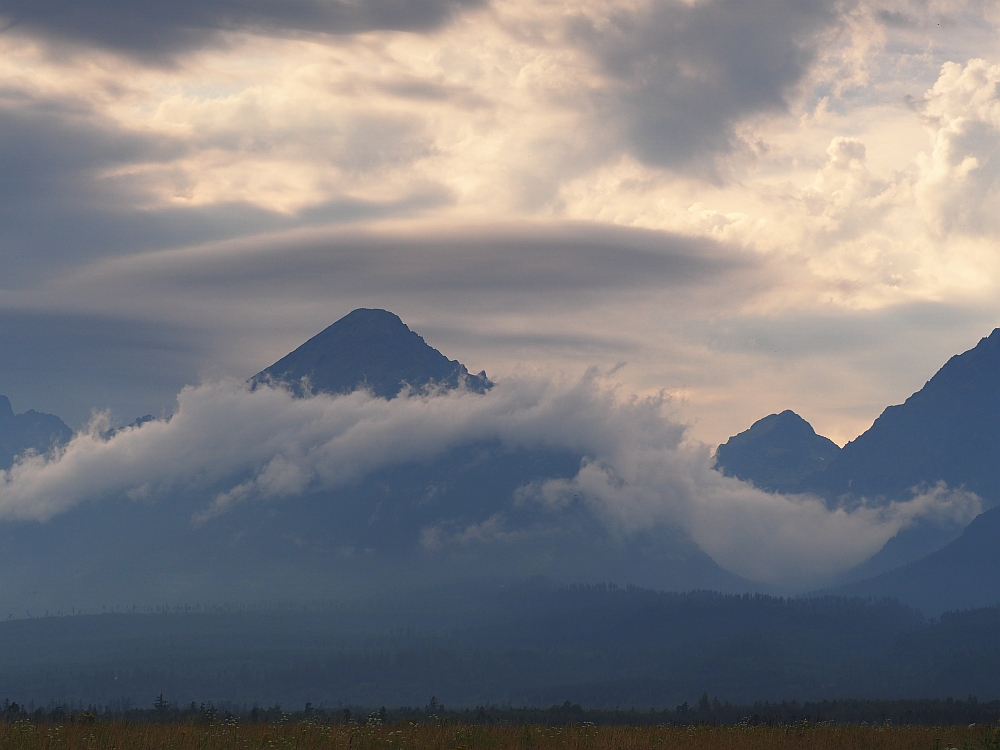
<point x="23" y="735"/>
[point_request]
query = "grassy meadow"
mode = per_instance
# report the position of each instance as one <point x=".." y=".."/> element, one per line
<point x="23" y="735"/>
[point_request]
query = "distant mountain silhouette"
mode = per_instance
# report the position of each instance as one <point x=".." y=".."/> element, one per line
<point x="397" y="529"/>
<point x="371" y="349"/>
<point x="947" y="431"/>
<point x="30" y="431"/>
<point x="963" y="574"/>
<point x="779" y="453"/>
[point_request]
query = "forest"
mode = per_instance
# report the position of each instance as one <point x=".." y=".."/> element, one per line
<point x="600" y="647"/>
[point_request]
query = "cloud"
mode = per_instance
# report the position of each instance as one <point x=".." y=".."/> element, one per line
<point x="69" y="363"/>
<point x="485" y="294"/>
<point x="959" y="184"/>
<point x="707" y="320"/>
<point x="608" y="113"/>
<point x="792" y="541"/>
<point x="81" y="185"/>
<point x="159" y="28"/>
<point x="229" y="446"/>
<point x="518" y="258"/>
<point x="683" y="74"/>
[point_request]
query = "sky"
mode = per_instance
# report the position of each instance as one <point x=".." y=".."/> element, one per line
<point x="740" y="206"/>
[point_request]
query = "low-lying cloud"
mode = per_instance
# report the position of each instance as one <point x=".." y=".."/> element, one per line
<point x="228" y="446"/>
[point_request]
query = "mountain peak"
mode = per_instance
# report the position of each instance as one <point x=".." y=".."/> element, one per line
<point x="946" y="431"/>
<point x="373" y="349"/>
<point x="778" y="453"/>
<point x="978" y="367"/>
<point x="31" y="431"/>
<point x="783" y="427"/>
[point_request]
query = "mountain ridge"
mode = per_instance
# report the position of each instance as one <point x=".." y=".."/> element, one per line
<point x="948" y="431"/>
<point x="940" y="433"/>
<point x="943" y="432"/>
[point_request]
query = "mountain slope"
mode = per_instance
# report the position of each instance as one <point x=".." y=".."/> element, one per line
<point x="454" y="520"/>
<point x="372" y="349"/>
<point x="963" y="574"/>
<point x="779" y="453"/>
<point x="947" y="431"/>
<point x="30" y="431"/>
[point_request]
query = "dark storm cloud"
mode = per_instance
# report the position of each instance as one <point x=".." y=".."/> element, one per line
<point x="54" y="206"/>
<point x="49" y="144"/>
<point x="687" y="73"/>
<point x="158" y="28"/>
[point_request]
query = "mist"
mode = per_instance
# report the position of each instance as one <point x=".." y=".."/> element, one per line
<point x="226" y="446"/>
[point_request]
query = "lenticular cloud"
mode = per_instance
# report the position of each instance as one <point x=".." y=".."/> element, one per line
<point x="229" y="446"/>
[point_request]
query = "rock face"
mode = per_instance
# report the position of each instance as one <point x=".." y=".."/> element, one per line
<point x="779" y="453"/>
<point x="370" y="349"/>
<point x="947" y="431"/>
<point x="31" y="431"/>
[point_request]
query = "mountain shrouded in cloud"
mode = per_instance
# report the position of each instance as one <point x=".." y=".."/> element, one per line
<point x="944" y="435"/>
<point x="779" y="453"/>
<point x="249" y="492"/>
<point x="371" y="349"/>
<point x="28" y="432"/>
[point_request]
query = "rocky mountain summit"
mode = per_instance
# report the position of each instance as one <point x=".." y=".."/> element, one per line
<point x="370" y="349"/>
<point x="30" y="431"/>
<point x="779" y="453"/>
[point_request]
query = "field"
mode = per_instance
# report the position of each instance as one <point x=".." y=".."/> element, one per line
<point x="23" y="735"/>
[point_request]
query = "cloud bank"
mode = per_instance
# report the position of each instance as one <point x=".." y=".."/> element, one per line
<point x="227" y="446"/>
